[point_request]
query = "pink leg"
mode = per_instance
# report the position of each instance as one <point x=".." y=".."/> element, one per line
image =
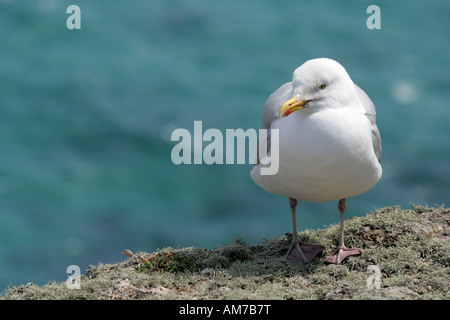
<point x="299" y="251"/>
<point x="342" y="251"/>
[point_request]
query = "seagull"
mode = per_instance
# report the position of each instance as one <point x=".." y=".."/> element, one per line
<point x="329" y="146"/>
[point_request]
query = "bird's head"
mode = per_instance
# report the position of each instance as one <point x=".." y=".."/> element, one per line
<point x="319" y="83"/>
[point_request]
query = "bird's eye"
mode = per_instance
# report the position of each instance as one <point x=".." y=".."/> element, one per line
<point x="322" y="86"/>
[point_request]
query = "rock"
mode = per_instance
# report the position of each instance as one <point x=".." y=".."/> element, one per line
<point x="125" y="290"/>
<point x="207" y="271"/>
<point x="391" y="293"/>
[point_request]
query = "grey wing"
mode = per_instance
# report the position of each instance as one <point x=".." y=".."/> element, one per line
<point x="370" y="112"/>
<point x="270" y="110"/>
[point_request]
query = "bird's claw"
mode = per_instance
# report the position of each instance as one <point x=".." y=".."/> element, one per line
<point x="303" y="252"/>
<point x="342" y="254"/>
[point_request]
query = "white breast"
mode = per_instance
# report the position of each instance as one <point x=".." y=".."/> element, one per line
<point x="323" y="156"/>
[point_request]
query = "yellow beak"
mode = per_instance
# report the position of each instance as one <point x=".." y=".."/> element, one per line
<point x="290" y="106"/>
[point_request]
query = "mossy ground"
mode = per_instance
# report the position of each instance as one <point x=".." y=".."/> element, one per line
<point x="410" y="247"/>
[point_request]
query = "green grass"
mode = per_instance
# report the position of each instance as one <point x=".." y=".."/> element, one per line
<point x="410" y="247"/>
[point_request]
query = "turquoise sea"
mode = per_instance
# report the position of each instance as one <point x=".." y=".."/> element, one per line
<point x="86" y="118"/>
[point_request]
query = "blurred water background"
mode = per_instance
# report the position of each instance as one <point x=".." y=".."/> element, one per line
<point x="86" y="117"/>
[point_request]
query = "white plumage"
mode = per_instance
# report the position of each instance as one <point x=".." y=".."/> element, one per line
<point x="330" y="146"/>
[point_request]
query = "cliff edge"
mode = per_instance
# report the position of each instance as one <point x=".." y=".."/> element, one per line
<point x="406" y="255"/>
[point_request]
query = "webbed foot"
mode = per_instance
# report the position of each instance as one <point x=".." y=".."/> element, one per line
<point x="303" y="252"/>
<point x="342" y="254"/>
